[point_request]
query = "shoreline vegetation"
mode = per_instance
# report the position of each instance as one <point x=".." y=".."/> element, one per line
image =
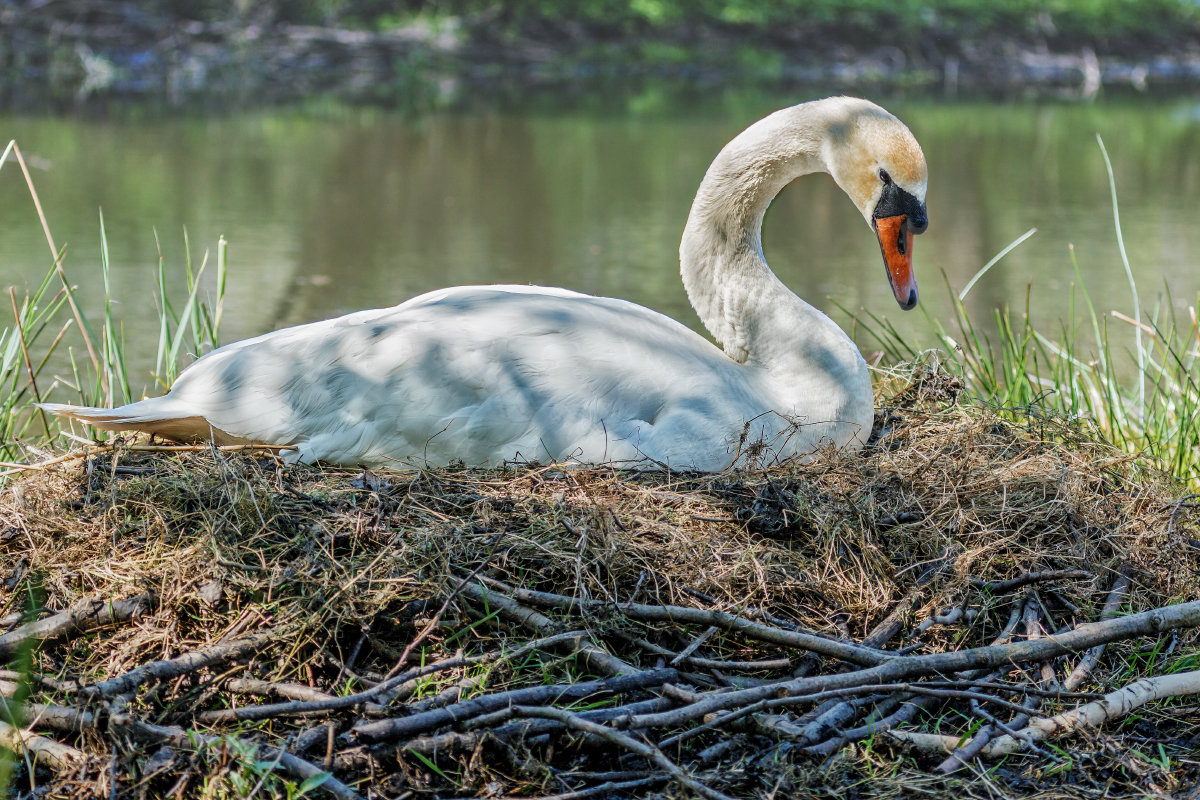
<point x="431" y="54"/>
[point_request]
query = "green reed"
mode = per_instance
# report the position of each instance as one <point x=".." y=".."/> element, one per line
<point x="97" y="364"/>
<point x="1133" y="375"/>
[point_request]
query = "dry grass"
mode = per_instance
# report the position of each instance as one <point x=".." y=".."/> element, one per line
<point x="342" y="570"/>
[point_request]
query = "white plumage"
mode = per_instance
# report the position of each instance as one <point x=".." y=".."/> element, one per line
<point x="487" y="374"/>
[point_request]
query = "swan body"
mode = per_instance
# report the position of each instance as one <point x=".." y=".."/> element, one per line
<point x="487" y="374"/>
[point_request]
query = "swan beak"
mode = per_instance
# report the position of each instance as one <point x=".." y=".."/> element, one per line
<point x="896" y="242"/>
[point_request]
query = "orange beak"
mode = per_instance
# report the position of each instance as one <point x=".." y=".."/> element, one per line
<point x="896" y="242"/>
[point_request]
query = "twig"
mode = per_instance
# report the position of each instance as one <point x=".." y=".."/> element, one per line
<point x="837" y="712"/>
<point x="834" y="648"/>
<point x="909" y="707"/>
<point x="890" y="625"/>
<point x="902" y="708"/>
<point x="717" y="721"/>
<point x="595" y="658"/>
<point x="1112" y="607"/>
<point x="167" y="669"/>
<point x="694" y="646"/>
<point x="1040" y="576"/>
<point x="1054" y="693"/>
<point x="80" y="618"/>
<point x="1187" y="501"/>
<point x="55" y="755"/>
<point x="606" y="789"/>
<point x="437" y="717"/>
<point x="819" y="727"/>
<point x="178" y="737"/>
<point x="308" y="707"/>
<point x="310" y="737"/>
<point x="291" y="691"/>
<point x="1183" y="615"/>
<point x="380" y="693"/>
<point x="469" y="740"/>
<point x="624" y="740"/>
<point x="1113" y="705"/>
<point x="979" y="741"/>
<point x="59" y="718"/>
<point x="765" y="664"/>
<point x="453" y="693"/>
<point x="970" y="749"/>
<point x="432" y="624"/>
<point x="1009" y="729"/>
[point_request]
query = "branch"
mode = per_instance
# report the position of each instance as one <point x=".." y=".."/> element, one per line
<point x="453" y="693"/>
<point x="1183" y="615"/>
<point x="990" y="731"/>
<point x="1041" y="576"/>
<point x="1114" y="705"/>
<point x="80" y="618"/>
<point x="292" y="691"/>
<point x="595" y="658"/>
<point x="307" y="707"/>
<point x="167" y="669"/>
<point x="834" y="648"/>
<point x="468" y="740"/>
<point x="55" y="755"/>
<point x="707" y="663"/>
<point x="1112" y="607"/>
<point x="437" y="717"/>
<point x="432" y="623"/>
<point x="381" y="692"/>
<point x="606" y="789"/>
<point x="178" y="737"/>
<point x="624" y="740"/>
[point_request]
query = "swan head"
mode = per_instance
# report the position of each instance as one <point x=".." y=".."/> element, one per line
<point x="876" y="160"/>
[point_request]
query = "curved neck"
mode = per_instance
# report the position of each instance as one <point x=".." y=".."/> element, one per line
<point x="745" y="307"/>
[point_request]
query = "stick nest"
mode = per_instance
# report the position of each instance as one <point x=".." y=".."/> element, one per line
<point x="958" y="527"/>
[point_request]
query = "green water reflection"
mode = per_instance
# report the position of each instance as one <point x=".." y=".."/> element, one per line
<point x="338" y="211"/>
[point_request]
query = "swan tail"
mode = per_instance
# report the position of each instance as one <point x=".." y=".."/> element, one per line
<point x="157" y="415"/>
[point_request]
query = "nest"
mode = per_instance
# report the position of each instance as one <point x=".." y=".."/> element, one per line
<point x="207" y="623"/>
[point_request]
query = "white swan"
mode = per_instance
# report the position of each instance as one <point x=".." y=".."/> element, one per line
<point x="487" y="374"/>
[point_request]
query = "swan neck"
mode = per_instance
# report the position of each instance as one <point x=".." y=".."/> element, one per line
<point x="721" y="261"/>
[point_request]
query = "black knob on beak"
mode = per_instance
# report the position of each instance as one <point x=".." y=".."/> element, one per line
<point x="918" y="221"/>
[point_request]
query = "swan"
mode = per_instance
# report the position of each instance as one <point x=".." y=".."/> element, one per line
<point x="483" y="375"/>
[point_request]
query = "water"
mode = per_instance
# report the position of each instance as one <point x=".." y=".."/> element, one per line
<point x="326" y="213"/>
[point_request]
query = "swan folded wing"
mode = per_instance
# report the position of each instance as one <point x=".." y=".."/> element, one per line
<point x="496" y="373"/>
<point x="591" y="380"/>
<point x="479" y="375"/>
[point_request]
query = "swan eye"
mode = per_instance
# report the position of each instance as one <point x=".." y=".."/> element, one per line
<point x="883" y="176"/>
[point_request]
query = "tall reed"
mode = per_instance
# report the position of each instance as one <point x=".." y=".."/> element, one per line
<point x="98" y="374"/>
<point x="1136" y="380"/>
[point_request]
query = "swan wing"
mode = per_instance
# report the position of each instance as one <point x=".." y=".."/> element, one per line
<point x="473" y="374"/>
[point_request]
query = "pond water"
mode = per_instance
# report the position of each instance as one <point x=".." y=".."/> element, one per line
<point x="332" y="211"/>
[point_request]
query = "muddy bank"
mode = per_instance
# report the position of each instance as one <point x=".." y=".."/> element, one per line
<point x="60" y="55"/>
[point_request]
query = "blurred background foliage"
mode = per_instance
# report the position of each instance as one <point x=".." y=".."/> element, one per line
<point x="1057" y="19"/>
